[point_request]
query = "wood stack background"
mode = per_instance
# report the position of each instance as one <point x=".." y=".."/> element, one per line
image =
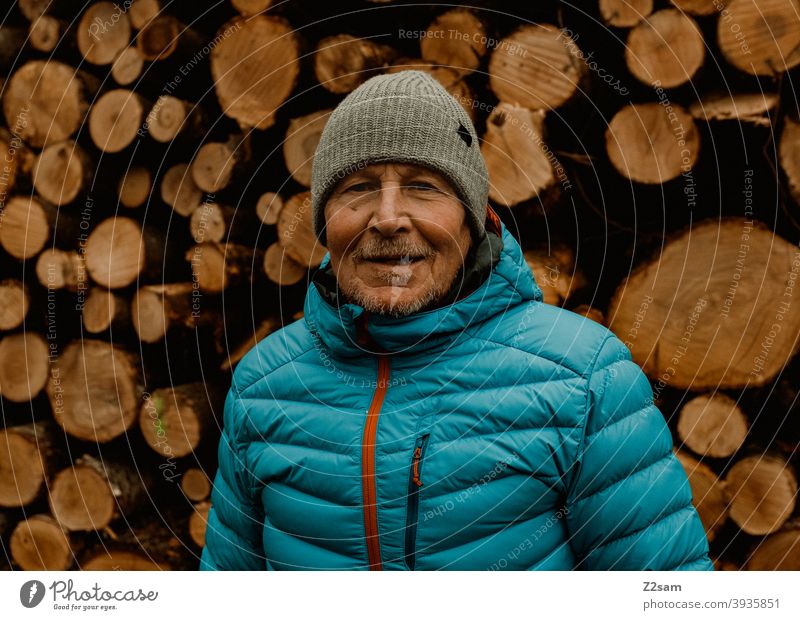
<point x="155" y="225"/>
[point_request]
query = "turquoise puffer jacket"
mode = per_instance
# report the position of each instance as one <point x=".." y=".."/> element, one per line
<point x="496" y="433"/>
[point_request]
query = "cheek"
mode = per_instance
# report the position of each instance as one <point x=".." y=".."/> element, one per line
<point x="447" y="236"/>
<point x="343" y="226"/>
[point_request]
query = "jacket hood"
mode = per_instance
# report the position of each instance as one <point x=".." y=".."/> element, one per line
<point x="348" y="330"/>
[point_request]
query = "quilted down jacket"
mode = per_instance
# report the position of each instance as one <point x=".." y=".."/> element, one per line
<point x="494" y="433"/>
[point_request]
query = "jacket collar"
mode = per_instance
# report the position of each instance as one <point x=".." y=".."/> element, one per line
<point x="496" y="277"/>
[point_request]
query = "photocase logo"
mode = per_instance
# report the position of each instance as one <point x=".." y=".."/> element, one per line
<point x="31" y="593"/>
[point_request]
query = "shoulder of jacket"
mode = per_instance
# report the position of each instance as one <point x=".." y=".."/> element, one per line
<point x="271" y="353"/>
<point x="610" y="351"/>
<point x="560" y="335"/>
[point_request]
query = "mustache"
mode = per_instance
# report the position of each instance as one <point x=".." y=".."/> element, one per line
<point x="384" y="249"/>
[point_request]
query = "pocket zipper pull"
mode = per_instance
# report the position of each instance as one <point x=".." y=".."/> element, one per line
<point x="417" y="453"/>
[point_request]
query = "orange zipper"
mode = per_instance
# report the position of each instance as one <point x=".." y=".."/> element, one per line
<point x="368" y="462"/>
<point x="417" y="454"/>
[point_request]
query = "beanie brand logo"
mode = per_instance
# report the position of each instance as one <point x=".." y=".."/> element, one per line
<point x="465" y="135"/>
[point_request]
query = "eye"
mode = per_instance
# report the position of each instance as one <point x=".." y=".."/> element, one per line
<point x="358" y="187"/>
<point x="423" y="185"/>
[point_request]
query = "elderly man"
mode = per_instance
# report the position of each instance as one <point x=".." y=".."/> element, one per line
<point x="429" y="411"/>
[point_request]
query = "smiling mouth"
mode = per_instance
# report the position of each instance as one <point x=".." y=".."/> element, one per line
<point x="395" y="260"/>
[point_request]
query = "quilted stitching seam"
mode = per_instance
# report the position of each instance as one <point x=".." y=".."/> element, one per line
<point x="579" y="450"/>
<point x="644" y="407"/>
<point x="241" y="391"/>
<point x="626" y="477"/>
<point x="642" y="529"/>
<point x="529" y="353"/>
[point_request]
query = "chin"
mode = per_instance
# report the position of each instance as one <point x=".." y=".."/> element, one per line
<point x="396" y="301"/>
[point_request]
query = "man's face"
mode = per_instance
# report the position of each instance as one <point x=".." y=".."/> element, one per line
<point x="397" y="235"/>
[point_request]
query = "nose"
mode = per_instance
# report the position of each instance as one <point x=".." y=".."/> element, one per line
<point x="390" y="215"/>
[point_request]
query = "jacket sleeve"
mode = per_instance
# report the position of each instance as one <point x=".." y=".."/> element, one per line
<point x="629" y="502"/>
<point x="235" y="522"/>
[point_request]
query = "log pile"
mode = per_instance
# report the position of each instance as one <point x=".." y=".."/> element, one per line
<point x="155" y="224"/>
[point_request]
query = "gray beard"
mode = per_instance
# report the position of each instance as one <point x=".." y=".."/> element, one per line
<point x="427" y="301"/>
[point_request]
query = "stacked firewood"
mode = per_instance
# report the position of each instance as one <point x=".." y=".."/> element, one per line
<point x="155" y="225"/>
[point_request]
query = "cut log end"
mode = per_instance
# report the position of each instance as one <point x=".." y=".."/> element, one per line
<point x="210" y="222"/>
<point x="268" y="207"/>
<point x="537" y="67"/>
<point x="28" y="99"/>
<point x="760" y="37"/>
<point x="712" y="425"/>
<point x="158" y="38"/>
<point x="342" y="62"/>
<point x="61" y="172"/>
<point x="179" y="190"/>
<point x="142" y="11"/>
<point x="648" y="145"/>
<point x="295" y="231"/>
<point x="456" y="39"/>
<point x="167" y="117"/>
<point x="39" y="543"/>
<point x="81" y="500"/>
<point x="215" y="266"/>
<point x="103" y="31"/>
<point x="300" y="144"/>
<point x="14" y="303"/>
<point x="28" y="102"/>
<point x="555" y="272"/>
<point x="115" y="252"/>
<point x="115" y="119"/>
<point x="44" y="33"/>
<point x="213" y="166"/>
<point x="726" y="286"/>
<point x="512" y="149"/>
<point x="24" y="228"/>
<point x="128" y="66"/>
<point x="196" y="484"/>
<point x="280" y="267"/>
<point x="21" y="469"/>
<point x="103" y="310"/>
<point x="134" y="187"/>
<point x="625" y="13"/>
<point x="708" y="494"/>
<point x="57" y="269"/>
<point x="743" y="107"/>
<point x="198" y="521"/>
<point x="762" y="491"/>
<point x="174" y="420"/>
<point x="254" y="68"/>
<point x="23" y="366"/>
<point x="94" y="375"/>
<point x="780" y="551"/>
<point x="666" y="49"/>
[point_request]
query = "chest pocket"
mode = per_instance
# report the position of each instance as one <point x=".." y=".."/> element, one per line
<point x="415" y="482"/>
<point x="461" y="490"/>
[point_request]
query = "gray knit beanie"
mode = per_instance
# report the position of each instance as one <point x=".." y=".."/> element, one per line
<point x="404" y="117"/>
